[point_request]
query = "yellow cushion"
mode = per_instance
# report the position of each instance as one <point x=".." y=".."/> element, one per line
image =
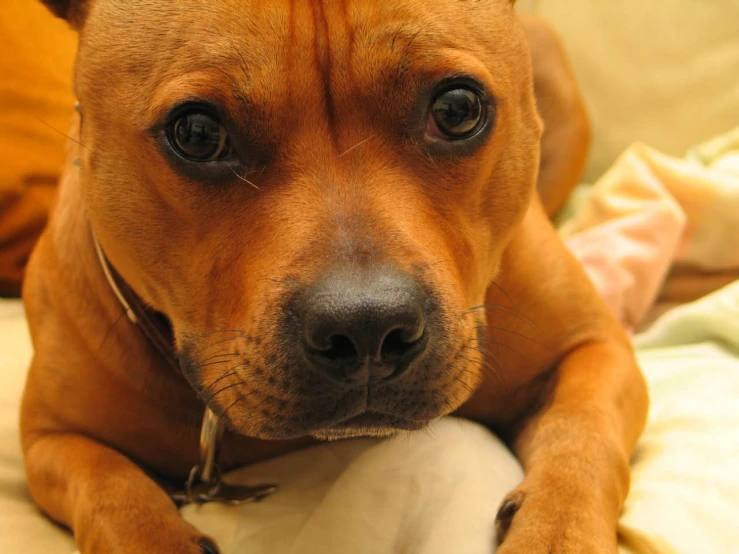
<point x="36" y="103"/>
<point x="662" y="73"/>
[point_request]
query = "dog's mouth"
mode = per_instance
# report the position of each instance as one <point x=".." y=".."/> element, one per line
<point x="283" y="399"/>
<point x="287" y="400"/>
<point x="293" y="401"/>
<point x="332" y="414"/>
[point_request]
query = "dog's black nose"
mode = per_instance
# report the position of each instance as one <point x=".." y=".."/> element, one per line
<point x="364" y="326"/>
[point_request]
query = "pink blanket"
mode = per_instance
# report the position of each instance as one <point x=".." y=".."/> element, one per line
<point x="650" y="214"/>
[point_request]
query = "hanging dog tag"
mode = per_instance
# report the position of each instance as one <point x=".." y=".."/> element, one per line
<point x="198" y="491"/>
<point x="234" y="495"/>
<point x="205" y="484"/>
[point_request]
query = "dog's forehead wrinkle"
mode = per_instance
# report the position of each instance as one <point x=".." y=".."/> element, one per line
<point x="255" y="42"/>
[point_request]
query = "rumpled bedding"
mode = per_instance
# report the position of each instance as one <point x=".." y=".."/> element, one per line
<point x="436" y="492"/>
<point x="652" y="213"/>
<point x="684" y="496"/>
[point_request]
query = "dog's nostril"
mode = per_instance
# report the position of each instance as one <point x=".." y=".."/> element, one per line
<point x="341" y="349"/>
<point x="397" y="343"/>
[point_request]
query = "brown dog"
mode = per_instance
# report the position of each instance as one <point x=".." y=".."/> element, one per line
<point x="331" y="205"/>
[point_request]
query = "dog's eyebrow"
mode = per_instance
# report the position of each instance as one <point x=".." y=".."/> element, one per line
<point x="236" y="85"/>
<point x="400" y="40"/>
<point x="403" y="37"/>
<point x="241" y="60"/>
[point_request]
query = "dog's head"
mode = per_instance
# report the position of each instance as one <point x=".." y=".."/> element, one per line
<point x="315" y="192"/>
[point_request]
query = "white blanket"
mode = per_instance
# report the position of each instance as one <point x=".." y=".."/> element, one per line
<point x="433" y="492"/>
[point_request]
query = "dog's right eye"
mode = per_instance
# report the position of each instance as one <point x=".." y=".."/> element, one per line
<point x="198" y="136"/>
<point x="456" y="113"/>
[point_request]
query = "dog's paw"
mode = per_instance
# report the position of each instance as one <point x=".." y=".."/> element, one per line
<point x="536" y="521"/>
<point x="173" y="536"/>
<point x="508" y="509"/>
<point x="182" y="545"/>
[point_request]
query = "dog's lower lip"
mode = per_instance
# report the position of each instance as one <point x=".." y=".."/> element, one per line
<point x="368" y="424"/>
<point x="378" y="419"/>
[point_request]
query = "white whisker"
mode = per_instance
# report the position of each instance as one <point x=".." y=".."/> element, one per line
<point x="244" y="179"/>
<point x="360" y="143"/>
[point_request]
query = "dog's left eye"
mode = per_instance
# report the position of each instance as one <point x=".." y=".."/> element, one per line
<point x="456" y="114"/>
<point x="198" y="136"/>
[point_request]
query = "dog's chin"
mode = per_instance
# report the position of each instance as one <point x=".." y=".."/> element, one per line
<point x="364" y="424"/>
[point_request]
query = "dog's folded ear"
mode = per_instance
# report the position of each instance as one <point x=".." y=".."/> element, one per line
<point x="73" y="11"/>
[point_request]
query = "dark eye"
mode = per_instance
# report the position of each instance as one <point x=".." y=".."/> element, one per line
<point x="456" y="113"/>
<point x="198" y="136"/>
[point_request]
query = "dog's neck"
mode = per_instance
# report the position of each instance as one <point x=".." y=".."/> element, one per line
<point x="204" y="483"/>
<point x="153" y="324"/>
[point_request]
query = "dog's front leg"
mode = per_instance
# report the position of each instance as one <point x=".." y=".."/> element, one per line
<point x="575" y="453"/>
<point x="111" y="505"/>
<point x="563" y="386"/>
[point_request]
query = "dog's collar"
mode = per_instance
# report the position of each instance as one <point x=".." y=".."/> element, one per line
<point x="153" y="324"/>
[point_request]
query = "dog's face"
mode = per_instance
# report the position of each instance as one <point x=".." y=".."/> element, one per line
<point x="314" y="192"/>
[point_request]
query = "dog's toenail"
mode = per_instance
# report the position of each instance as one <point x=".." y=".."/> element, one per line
<point x="208" y="547"/>
<point x="507" y="511"/>
<point x="505" y="517"/>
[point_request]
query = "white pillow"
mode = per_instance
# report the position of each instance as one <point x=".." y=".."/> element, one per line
<point x="433" y="492"/>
